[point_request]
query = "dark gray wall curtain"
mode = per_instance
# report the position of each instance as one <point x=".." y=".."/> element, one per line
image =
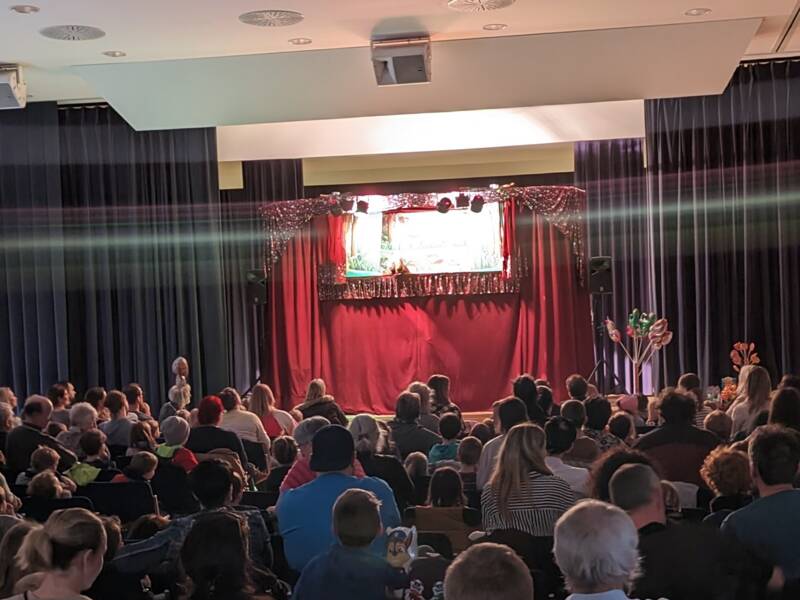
<point x="242" y="250"/>
<point x="33" y="323"/>
<point x="724" y="183"/>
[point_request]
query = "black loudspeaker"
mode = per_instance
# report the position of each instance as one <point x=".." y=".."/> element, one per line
<point x="600" y="275"/>
<point x="256" y="286"/>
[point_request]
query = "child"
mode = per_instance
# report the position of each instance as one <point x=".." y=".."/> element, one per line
<point x="46" y="485"/>
<point x="176" y="431"/>
<point x="469" y="453"/>
<point x="97" y="466"/>
<point x="447" y="511"/>
<point x="348" y="569"/>
<point x="141" y="439"/>
<point x="449" y="428"/>
<point x="284" y="451"/>
<point x="45" y="459"/>
<point x="141" y="468"/>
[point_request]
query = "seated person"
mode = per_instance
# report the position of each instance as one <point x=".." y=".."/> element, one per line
<point x="53" y="429"/>
<point x="469" y="455"/>
<point x="45" y="459"/>
<point x="22" y="441"/>
<point x="727" y="474"/>
<point x="82" y="418"/>
<point x="304" y="513"/>
<point x="585" y="449"/>
<point x="488" y="571"/>
<point x="146" y="527"/>
<point x="284" y="452"/>
<point x="241" y="421"/>
<point x="511" y="411"/>
<point x="409" y="436"/>
<point x="348" y="569"/>
<point x="97" y="465"/>
<point x="46" y="485"/>
<point x="209" y="435"/>
<point x="176" y="433"/>
<point x="598" y="413"/>
<point x="141" y="468"/>
<point x="620" y="425"/>
<point x="718" y="422"/>
<point x="141" y="439"/>
<point x="118" y="428"/>
<point x="416" y="465"/>
<point x="561" y="434"/>
<point x="450" y="429"/>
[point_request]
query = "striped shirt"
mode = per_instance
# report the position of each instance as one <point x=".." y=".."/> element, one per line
<point x="534" y="509"/>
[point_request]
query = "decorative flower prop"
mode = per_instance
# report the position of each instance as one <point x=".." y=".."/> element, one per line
<point x="744" y="353"/>
<point x="648" y="335"/>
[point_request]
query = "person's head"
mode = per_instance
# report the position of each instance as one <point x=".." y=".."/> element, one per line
<point x="237" y="488"/>
<point x="211" y="483"/>
<point x="511" y="411"/>
<point x="366" y="433"/>
<point x="113" y="529"/>
<point x="718" y="422"/>
<point x="446" y="488"/>
<point x="784" y="409"/>
<point x="44" y="459"/>
<point x="58" y="394"/>
<point x="440" y="389"/>
<point x="96" y="396"/>
<point x="561" y="434"/>
<point x="134" y="394"/>
<point x="6" y="507"/>
<point x="216" y="557"/>
<point x="7" y="396"/>
<point x="774" y="456"/>
<point x="522" y="452"/>
<point x="141" y="436"/>
<point x="117" y="404"/>
<point x="727" y="472"/>
<point x="607" y="464"/>
<point x="316" y="390"/>
<point x="180" y="367"/>
<point x="93" y="445"/>
<point x="637" y="490"/>
<point x="356" y="518"/>
<point x="790" y="381"/>
<point x="621" y="426"/>
<point x="143" y="465"/>
<point x="757" y="389"/>
<point x="332" y="450"/>
<point x="416" y="465"/>
<point x="10" y="569"/>
<point x="262" y="400"/>
<point x="450" y="426"/>
<point x="545" y="394"/>
<point x="45" y="485"/>
<point x="230" y="398"/>
<point x="481" y="431"/>
<point x="524" y="388"/>
<point x="180" y="395"/>
<point x="6" y="417"/>
<point x="210" y="411"/>
<point x="284" y="450"/>
<point x="306" y="430"/>
<point x="54" y="428"/>
<point x="577" y="387"/>
<point x="596" y="547"/>
<point x="488" y="571"/>
<point x="37" y="411"/>
<point x="406" y="408"/>
<point x="574" y="411"/>
<point x="677" y="408"/>
<point x="598" y="412"/>
<point x="83" y="416"/>
<point x="469" y="451"/>
<point x="424" y="393"/>
<point x="689" y="383"/>
<point x="146" y="527"/>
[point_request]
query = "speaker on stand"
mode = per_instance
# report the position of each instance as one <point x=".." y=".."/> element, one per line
<point x="256" y="293"/>
<point x="600" y="287"/>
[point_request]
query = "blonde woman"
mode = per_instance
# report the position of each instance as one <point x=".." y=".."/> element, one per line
<point x="426" y="419"/>
<point x="523" y="494"/>
<point x="320" y="404"/>
<point x="66" y="553"/>
<point x="753" y="400"/>
<point x="276" y="422"/>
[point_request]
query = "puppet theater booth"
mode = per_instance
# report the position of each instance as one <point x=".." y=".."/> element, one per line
<point x="374" y="292"/>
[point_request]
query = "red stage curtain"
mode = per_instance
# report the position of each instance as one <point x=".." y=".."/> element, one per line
<point x="368" y="351"/>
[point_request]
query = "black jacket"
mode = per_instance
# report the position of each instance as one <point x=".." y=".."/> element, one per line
<point x="22" y="441"/>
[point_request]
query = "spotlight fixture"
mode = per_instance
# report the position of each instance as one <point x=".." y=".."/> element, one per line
<point x="271" y="18"/>
<point x="444" y="205"/>
<point x="114" y="53"/>
<point x="462" y="200"/>
<point x="24" y="9"/>
<point x="697" y="12"/>
<point x="495" y="27"/>
<point x="301" y="41"/>
<point x="362" y="206"/>
<point x="477" y="204"/>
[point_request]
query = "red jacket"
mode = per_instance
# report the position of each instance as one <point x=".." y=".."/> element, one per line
<point x="301" y="474"/>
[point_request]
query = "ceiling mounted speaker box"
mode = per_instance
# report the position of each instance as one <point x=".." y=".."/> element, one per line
<point x="600" y="281"/>
<point x="13" y="91"/>
<point x="402" y="61"/>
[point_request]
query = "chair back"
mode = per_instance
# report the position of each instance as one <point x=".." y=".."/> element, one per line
<point x="128" y="501"/>
<point x="262" y="500"/>
<point x="171" y="485"/>
<point x="39" y="509"/>
<point x="255" y="454"/>
<point x="449" y="521"/>
<point x="537" y="553"/>
<point x="438" y="541"/>
<point x="116" y="451"/>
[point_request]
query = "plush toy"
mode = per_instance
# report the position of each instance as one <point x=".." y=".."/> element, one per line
<point x="402" y="546"/>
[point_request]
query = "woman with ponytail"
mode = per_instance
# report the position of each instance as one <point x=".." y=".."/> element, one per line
<point x="67" y="553"/>
<point x="370" y="442"/>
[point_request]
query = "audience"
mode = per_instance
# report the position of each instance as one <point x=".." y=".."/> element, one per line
<point x="304" y="513"/>
<point x="59" y="395"/>
<point x="176" y="433"/>
<point x="690" y="385"/>
<point x="44" y="459"/>
<point x="276" y="422"/>
<point x="629" y="405"/>
<point x="47" y="486"/>
<point x="720" y="424"/>
<point x="446" y="510"/>
<point x="577" y="387"/>
<point x="486" y="571"/>
<point x="598" y="412"/>
<point x="23" y="441"/>
<point x="482" y="431"/>
<point x="284" y="452"/>
<point x="96" y="464"/>
<point x="321" y="405"/>
<point x="141" y="439"/>
<point x="511" y="411"/>
<point x="787" y="381"/>
<point x="524" y="388"/>
<point x="426" y="419"/>
<point x="180" y="395"/>
<point x="370" y="450"/>
<point x="784" y="408"/>
<point x="584" y="450"/>
<point x="678" y="446"/>
<point x="726" y="472"/>
<point x="146" y="527"/>
<point x="595" y="548"/>
<point x="246" y="425"/>
<point x="416" y="465"/>
<point x="469" y="455"/>
<point x="8" y="397"/>
<point x="450" y="429"/>
<point x="82" y="418"/>
<point x="96" y="397"/>
<point x="522" y="493"/>
<point x="440" y="396"/>
<point x="753" y="401"/>
<point x="348" y="569"/>
<point x="208" y="436"/>
<point x="6" y="424"/>
<point x="561" y="434"/>
<point x="118" y="428"/>
<point x="621" y="426"/>
<point x="546" y="403"/>
<point x="604" y="468"/>
<point x="409" y="436"/>
<point x="137" y="406"/>
<point x="11" y="570"/>
<point x="141" y="468"/>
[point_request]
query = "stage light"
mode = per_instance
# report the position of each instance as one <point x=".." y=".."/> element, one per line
<point x="444" y="205"/>
<point x="362" y="206"/>
<point x="462" y="201"/>
<point x="477" y="204"/>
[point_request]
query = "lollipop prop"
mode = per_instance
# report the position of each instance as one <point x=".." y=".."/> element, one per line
<point x="647" y="333"/>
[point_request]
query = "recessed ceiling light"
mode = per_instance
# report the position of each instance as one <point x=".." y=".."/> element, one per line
<point x="478" y="5"/>
<point x="115" y="53"/>
<point x="25" y="9"/>
<point x="271" y="18"/>
<point x="301" y="41"/>
<point x="495" y="27"/>
<point x="72" y="33"/>
<point x="697" y="12"/>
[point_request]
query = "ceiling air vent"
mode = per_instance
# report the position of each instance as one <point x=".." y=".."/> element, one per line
<point x="72" y="33"/>
<point x="478" y="5"/>
<point x="271" y="18"/>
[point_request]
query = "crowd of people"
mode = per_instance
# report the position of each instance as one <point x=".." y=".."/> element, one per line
<point x="680" y="496"/>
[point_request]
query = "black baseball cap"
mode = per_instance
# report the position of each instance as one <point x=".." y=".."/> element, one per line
<point x="332" y="449"/>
